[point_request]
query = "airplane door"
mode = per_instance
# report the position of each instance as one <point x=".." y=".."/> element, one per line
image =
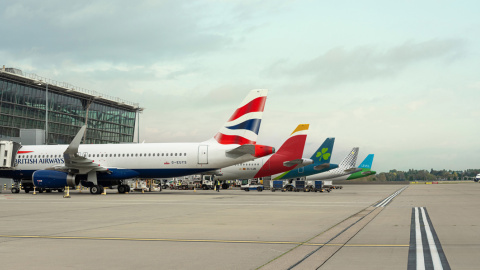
<point x="203" y="154"/>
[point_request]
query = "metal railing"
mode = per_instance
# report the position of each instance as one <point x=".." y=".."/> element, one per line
<point x="68" y="86"/>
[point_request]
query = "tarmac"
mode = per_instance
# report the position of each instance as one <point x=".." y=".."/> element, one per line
<point x="357" y="227"/>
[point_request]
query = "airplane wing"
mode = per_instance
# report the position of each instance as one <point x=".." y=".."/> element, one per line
<point x="214" y="172"/>
<point x="352" y="170"/>
<point x="76" y="163"/>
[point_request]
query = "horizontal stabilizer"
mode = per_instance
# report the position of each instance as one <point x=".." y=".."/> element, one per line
<point x="301" y="161"/>
<point x="369" y="172"/>
<point x="243" y="149"/>
<point x="353" y="170"/>
<point x="321" y="166"/>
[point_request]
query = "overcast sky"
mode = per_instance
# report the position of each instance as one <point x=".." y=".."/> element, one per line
<point x="399" y="79"/>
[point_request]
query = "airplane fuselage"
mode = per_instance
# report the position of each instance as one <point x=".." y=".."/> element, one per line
<point x="152" y="160"/>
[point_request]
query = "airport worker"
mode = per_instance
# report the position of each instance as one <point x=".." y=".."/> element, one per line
<point x="218" y="185"/>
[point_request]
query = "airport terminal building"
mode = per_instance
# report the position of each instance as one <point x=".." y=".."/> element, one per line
<point x="55" y="111"/>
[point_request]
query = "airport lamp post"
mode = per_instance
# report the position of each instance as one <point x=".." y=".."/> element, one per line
<point x="46" y="114"/>
<point x="46" y="109"/>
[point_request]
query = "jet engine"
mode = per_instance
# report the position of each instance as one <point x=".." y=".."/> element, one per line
<point x="53" y="179"/>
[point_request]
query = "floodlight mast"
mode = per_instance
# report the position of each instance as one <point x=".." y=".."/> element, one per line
<point x="40" y="82"/>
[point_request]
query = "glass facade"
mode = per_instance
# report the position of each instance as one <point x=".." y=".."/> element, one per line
<point x="22" y="106"/>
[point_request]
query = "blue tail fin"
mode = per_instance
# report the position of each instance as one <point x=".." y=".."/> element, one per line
<point x="324" y="152"/>
<point x="367" y="162"/>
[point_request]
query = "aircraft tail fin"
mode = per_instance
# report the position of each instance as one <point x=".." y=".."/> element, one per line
<point x="295" y="144"/>
<point x="367" y="162"/>
<point x="244" y="125"/>
<point x="324" y="152"/>
<point x="350" y="160"/>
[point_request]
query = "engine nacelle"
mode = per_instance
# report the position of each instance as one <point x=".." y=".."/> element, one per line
<point x="53" y="179"/>
<point x="263" y="150"/>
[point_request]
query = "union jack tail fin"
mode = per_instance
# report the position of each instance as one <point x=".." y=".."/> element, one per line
<point x="244" y="124"/>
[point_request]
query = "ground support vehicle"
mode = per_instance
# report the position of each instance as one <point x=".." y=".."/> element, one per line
<point x="294" y="185"/>
<point x="276" y="185"/>
<point x="252" y="184"/>
<point x="328" y="184"/>
<point x="27" y="186"/>
<point x="316" y="186"/>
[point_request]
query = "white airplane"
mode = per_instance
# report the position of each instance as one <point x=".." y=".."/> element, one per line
<point x="363" y="170"/>
<point x="98" y="165"/>
<point x="287" y="157"/>
<point x="346" y="167"/>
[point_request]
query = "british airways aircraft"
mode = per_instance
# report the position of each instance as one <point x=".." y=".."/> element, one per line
<point x="288" y="157"/>
<point x="95" y="166"/>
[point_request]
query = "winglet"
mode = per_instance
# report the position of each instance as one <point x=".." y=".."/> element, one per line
<point x="72" y="149"/>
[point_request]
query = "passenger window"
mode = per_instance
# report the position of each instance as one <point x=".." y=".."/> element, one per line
<point x="175" y="154"/>
<point x="162" y="154"/>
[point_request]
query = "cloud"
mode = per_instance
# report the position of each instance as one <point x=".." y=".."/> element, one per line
<point x="107" y="31"/>
<point x="339" y="65"/>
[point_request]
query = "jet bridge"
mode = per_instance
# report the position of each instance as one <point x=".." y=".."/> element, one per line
<point x="8" y="152"/>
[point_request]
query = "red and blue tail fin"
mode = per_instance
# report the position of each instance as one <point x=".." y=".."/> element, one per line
<point x="244" y="124"/>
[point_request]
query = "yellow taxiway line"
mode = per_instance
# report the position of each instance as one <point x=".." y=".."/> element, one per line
<point x="190" y="240"/>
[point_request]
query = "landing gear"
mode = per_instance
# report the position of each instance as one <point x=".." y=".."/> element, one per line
<point x="15" y="190"/>
<point x="123" y="188"/>
<point x="96" y="189"/>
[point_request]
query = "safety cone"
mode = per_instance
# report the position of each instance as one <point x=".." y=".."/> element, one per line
<point x="104" y="191"/>
<point x="194" y="189"/>
<point x="143" y="191"/>
<point x="34" y="192"/>
<point x="68" y="193"/>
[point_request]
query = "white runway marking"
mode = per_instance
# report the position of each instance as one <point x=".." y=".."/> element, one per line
<point x="425" y="251"/>
<point x="390" y="198"/>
